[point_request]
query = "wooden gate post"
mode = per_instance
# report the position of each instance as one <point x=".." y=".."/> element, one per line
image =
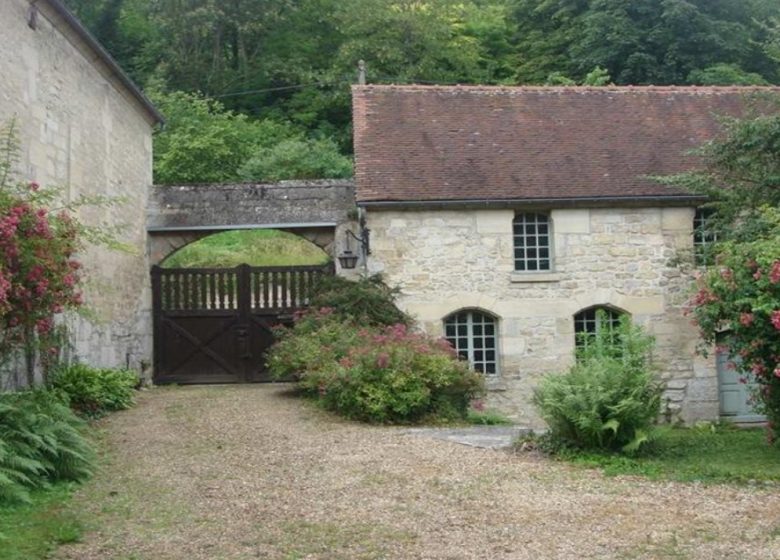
<point x="157" y="338"/>
<point x="244" y="288"/>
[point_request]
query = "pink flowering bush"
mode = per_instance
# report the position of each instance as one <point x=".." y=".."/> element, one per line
<point x="740" y="297"/>
<point x="318" y="339"/>
<point x="39" y="274"/>
<point x="385" y="374"/>
<point x="396" y="375"/>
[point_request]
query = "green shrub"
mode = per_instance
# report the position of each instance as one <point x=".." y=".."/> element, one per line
<point x="609" y="399"/>
<point x="396" y="376"/>
<point x="368" y="301"/>
<point x="94" y="392"/>
<point x="41" y="441"/>
<point x="297" y="158"/>
<point x="318" y="340"/>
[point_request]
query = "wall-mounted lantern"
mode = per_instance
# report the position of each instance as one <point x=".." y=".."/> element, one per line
<point x="348" y="259"/>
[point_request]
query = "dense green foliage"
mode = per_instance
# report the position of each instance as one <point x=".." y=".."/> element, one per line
<point x="94" y="392"/>
<point x="366" y="301"/>
<point x="291" y="63"/>
<point x="741" y="171"/>
<point x="297" y="158"/>
<point x="205" y="143"/>
<point x="259" y="247"/>
<point x="706" y="453"/>
<point x="41" y="441"/>
<point x="610" y="398"/>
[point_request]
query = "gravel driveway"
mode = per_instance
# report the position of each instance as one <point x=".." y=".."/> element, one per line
<point x="244" y="472"/>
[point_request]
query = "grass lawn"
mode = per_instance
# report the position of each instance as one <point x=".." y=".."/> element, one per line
<point x="708" y="453"/>
<point x="32" y="531"/>
<point x="256" y="247"/>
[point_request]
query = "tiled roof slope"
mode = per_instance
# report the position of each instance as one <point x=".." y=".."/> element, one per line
<point x="461" y="143"/>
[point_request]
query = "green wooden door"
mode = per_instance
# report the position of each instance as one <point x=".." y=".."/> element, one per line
<point x="734" y="394"/>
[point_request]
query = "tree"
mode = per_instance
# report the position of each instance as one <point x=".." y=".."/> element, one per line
<point x="741" y="170"/>
<point x="740" y="295"/>
<point x="205" y="143"/>
<point x="297" y="158"/>
<point x="641" y="41"/>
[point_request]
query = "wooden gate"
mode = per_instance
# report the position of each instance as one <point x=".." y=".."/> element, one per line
<point x="214" y="325"/>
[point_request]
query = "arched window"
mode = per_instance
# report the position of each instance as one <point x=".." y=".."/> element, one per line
<point x="473" y="335"/>
<point x="590" y="321"/>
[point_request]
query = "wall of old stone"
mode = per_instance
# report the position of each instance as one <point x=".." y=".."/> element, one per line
<point x="448" y="260"/>
<point x="80" y="130"/>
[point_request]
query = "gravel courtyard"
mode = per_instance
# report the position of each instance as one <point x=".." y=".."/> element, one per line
<point x="240" y="472"/>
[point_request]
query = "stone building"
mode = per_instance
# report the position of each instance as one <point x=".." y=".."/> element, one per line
<point x="509" y="216"/>
<point x="83" y="125"/>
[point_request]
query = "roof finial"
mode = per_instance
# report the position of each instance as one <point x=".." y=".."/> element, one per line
<point x="361" y="72"/>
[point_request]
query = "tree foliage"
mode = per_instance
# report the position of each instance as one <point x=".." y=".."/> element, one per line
<point x="740" y="171"/>
<point x="292" y="62"/>
<point x="204" y="142"/>
<point x="738" y="305"/>
<point x="738" y="299"/>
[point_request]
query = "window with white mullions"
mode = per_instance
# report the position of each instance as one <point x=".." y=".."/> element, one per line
<point x="532" y="242"/>
<point x="703" y="235"/>
<point x="473" y="335"/>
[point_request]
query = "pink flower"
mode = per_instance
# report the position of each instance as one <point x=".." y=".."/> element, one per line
<point x="383" y="360"/>
<point x="757" y="274"/>
<point x="775" y="318"/>
<point x="758" y="369"/>
<point x="774" y="274"/>
<point x="34" y="186"/>
<point x="43" y="326"/>
<point x="746" y="319"/>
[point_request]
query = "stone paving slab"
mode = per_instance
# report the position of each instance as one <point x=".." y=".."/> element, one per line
<point x="487" y="437"/>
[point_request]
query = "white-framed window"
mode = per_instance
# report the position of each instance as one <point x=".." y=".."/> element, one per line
<point x="532" y="242"/>
<point x="473" y="334"/>
<point x="703" y="236"/>
<point x="590" y="321"/>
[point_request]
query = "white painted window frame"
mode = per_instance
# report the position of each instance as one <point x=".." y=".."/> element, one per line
<point x="520" y="219"/>
<point x="469" y="352"/>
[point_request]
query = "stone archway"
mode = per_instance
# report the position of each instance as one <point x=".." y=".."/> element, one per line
<point x="314" y="210"/>
<point x="163" y="243"/>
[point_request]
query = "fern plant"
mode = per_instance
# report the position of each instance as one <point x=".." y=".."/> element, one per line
<point x="93" y="392"/>
<point x="610" y="398"/>
<point x="41" y="440"/>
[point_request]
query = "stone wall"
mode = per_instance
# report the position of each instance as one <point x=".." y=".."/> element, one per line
<point x="79" y="129"/>
<point x="447" y="260"/>
<point x="183" y="207"/>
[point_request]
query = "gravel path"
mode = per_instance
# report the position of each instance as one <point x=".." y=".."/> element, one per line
<point x="240" y="472"/>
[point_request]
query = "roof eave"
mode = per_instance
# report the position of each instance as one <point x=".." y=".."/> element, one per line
<point x="664" y="200"/>
<point x="107" y="59"/>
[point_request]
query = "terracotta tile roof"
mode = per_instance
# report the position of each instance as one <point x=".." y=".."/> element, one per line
<point x="460" y="143"/>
